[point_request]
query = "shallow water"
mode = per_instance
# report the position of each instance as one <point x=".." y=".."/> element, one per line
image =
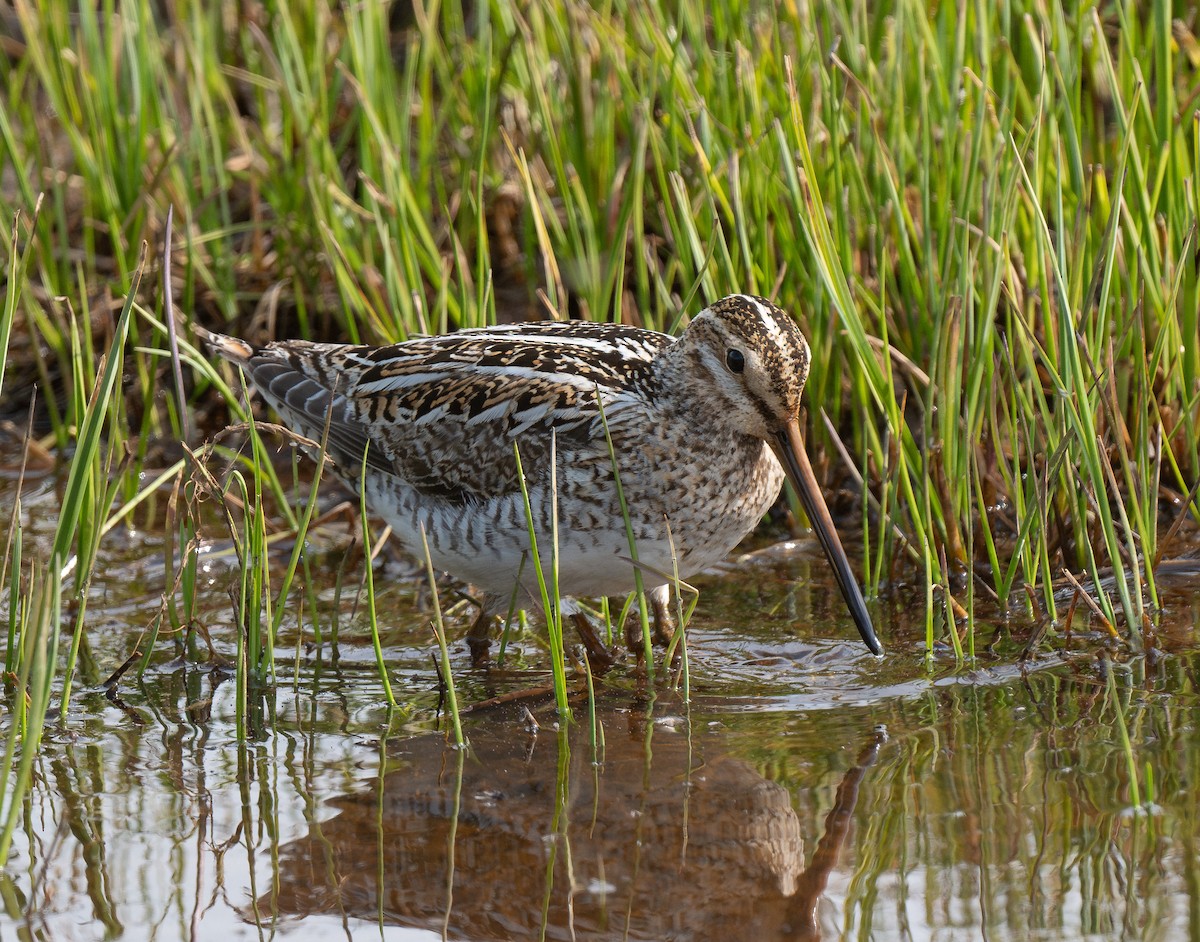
<point x="806" y="791"/>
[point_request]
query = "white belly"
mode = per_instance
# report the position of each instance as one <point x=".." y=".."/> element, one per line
<point x="488" y="544"/>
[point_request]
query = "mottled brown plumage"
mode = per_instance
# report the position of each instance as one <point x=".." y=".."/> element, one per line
<point x="695" y="422"/>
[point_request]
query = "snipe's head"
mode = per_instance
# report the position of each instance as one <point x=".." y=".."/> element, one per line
<point x="750" y="357"/>
<point x="748" y="360"/>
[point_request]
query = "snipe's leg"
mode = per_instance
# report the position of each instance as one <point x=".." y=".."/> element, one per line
<point x="664" y="621"/>
<point x="664" y="624"/>
<point x="479" y="637"/>
<point x="599" y="657"/>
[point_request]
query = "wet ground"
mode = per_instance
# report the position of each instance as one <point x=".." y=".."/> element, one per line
<point x="806" y="791"/>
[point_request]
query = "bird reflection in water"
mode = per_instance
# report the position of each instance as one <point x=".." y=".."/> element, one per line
<point x="668" y="837"/>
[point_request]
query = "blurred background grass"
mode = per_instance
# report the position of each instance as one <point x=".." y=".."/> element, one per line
<point x="983" y="216"/>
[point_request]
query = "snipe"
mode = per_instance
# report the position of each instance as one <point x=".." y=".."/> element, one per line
<point x="704" y="427"/>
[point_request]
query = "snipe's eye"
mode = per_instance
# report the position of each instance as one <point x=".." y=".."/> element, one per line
<point x="735" y="360"/>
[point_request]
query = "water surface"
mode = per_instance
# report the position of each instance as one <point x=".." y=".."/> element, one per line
<point x="805" y="791"/>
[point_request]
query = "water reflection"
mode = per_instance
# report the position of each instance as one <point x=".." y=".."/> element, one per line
<point x="1002" y="807"/>
<point x="525" y="836"/>
<point x="1052" y="799"/>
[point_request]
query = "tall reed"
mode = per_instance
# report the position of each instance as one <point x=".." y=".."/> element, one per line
<point x="982" y="215"/>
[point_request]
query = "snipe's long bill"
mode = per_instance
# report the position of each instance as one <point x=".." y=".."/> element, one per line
<point x="704" y="428"/>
